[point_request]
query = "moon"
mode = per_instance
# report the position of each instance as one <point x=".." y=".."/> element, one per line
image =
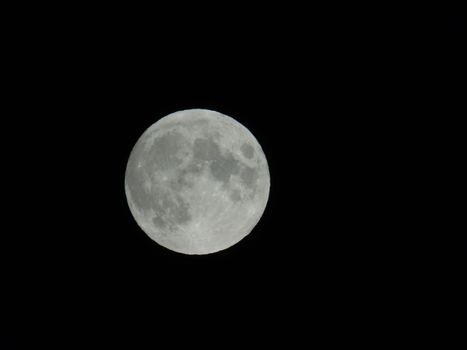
<point x="197" y="181"/>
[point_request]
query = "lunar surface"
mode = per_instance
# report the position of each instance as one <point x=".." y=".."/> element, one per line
<point x="197" y="181"/>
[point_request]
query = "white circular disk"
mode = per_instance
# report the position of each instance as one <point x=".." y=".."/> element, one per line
<point x="197" y="181"/>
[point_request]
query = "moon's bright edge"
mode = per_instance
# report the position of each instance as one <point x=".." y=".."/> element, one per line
<point x="197" y="181"/>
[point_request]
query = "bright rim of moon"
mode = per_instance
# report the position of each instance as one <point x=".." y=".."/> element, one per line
<point x="197" y="181"/>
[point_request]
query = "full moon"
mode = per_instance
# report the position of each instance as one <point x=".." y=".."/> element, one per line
<point x="197" y="181"/>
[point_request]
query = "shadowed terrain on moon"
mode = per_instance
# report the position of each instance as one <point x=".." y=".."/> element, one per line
<point x="172" y="175"/>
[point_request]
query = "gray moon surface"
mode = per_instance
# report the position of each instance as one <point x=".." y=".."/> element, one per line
<point x="197" y="181"/>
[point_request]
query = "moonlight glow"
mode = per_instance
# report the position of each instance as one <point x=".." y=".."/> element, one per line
<point x="197" y="181"/>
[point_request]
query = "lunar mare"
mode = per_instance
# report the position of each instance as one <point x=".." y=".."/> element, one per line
<point x="197" y="181"/>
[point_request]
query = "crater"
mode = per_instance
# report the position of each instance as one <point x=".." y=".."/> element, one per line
<point x="235" y="195"/>
<point x="206" y="149"/>
<point x="179" y="180"/>
<point x="249" y="176"/>
<point x="183" y="177"/>
<point x="164" y="152"/>
<point x="136" y="181"/>
<point x="158" y="221"/>
<point x="194" y="167"/>
<point x="179" y="212"/>
<point x="247" y="150"/>
<point x="170" y="209"/>
<point x="224" y="167"/>
<point x="221" y="167"/>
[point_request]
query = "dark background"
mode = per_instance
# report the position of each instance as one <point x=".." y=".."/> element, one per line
<point x="332" y="96"/>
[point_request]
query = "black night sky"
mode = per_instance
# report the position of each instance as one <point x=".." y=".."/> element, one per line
<point x="331" y="99"/>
